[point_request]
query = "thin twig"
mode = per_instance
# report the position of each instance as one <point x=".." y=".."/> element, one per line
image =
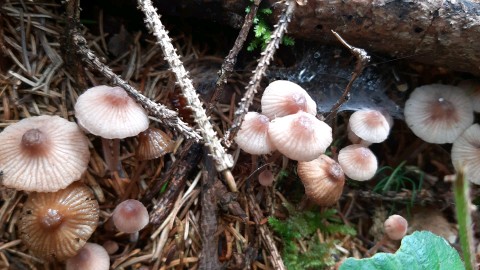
<point x="167" y="116"/>
<point x="265" y="233"/>
<point x="229" y="62"/>
<point x="267" y="55"/>
<point x="362" y="60"/>
<point x="223" y="161"/>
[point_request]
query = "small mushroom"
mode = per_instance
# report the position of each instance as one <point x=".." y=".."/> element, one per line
<point x="358" y="162"/>
<point x="300" y="136"/>
<point x="282" y="98"/>
<point x="56" y="225"/>
<point x="323" y="180"/>
<point x="253" y="134"/>
<point x="90" y="257"/>
<point x="396" y="227"/>
<point x="42" y="153"/>
<point x="370" y="125"/>
<point x="153" y="143"/>
<point x="466" y="153"/>
<point x="130" y="216"/>
<point x="438" y="113"/>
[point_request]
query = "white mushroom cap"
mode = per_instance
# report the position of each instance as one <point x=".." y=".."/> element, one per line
<point x="130" y="216"/>
<point x="42" y="153"/>
<point x="358" y="162"/>
<point x="438" y="113"/>
<point x="466" y="153"/>
<point x="370" y="125"/>
<point x="253" y="134"/>
<point x="284" y="97"/>
<point x="90" y="257"/>
<point x="473" y="91"/>
<point x="109" y="112"/>
<point x="300" y="136"/>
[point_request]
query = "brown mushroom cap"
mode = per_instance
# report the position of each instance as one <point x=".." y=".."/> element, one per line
<point x="153" y="143"/>
<point x="90" y="257"/>
<point x="42" y="153"/>
<point x="109" y="112"/>
<point x="282" y="98"/>
<point x="253" y="134"/>
<point x="466" y="153"/>
<point x="56" y="225"/>
<point x="323" y="179"/>
<point x="438" y="113"/>
<point x="130" y="216"/>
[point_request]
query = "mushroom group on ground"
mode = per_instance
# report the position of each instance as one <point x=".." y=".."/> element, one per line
<point x="47" y="156"/>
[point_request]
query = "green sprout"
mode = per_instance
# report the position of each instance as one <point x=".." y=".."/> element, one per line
<point x="263" y="31"/>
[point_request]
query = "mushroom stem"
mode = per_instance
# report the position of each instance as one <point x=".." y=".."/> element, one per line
<point x="111" y="152"/>
<point x="134" y="237"/>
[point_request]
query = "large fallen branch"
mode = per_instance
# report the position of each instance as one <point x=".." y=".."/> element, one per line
<point x="440" y="32"/>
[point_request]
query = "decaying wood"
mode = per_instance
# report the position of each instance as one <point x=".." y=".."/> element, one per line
<point x="443" y="32"/>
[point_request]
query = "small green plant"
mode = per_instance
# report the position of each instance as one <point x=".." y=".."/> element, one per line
<point x="301" y="247"/>
<point x="263" y="30"/>
<point x="400" y="178"/>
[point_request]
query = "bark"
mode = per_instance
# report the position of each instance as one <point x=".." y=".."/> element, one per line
<point x="437" y="32"/>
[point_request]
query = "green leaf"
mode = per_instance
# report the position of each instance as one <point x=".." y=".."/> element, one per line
<point x="419" y="251"/>
<point x="266" y="11"/>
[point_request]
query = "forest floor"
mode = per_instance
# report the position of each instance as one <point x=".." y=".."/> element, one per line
<point x="35" y="80"/>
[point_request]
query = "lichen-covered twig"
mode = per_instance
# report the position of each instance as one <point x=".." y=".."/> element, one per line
<point x="362" y="60"/>
<point x="265" y="233"/>
<point x="231" y="59"/>
<point x="267" y="55"/>
<point x="167" y="116"/>
<point x="222" y="160"/>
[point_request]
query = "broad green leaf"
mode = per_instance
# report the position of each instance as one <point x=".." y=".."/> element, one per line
<point x="419" y="251"/>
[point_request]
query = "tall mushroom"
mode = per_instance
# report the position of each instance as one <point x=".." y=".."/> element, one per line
<point x="42" y="153"/>
<point x="109" y="112"/>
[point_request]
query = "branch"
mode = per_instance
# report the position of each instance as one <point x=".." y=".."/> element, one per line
<point x="222" y="160"/>
<point x="168" y="117"/>
<point x="267" y="55"/>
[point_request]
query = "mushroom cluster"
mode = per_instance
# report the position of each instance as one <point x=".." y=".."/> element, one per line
<point x="44" y="156"/>
<point x="287" y="124"/>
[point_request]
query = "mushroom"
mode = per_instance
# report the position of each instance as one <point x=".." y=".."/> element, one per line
<point x="323" y="179"/>
<point x="395" y="228"/>
<point x="266" y="178"/>
<point x="153" y="143"/>
<point x="42" y="153"/>
<point x="473" y="91"/>
<point x="56" y="225"/>
<point x="253" y="134"/>
<point x="109" y="112"/>
<point x="282" y="98"/>
<point x="466" y="153"/>
<point x="370" y="125"/>
<point x="300" y="136"/>
<point x="90" y="257"/>
<point x="130" y="216"/>
<point x="358" y="162"/>
<point x="438" y="113"/>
